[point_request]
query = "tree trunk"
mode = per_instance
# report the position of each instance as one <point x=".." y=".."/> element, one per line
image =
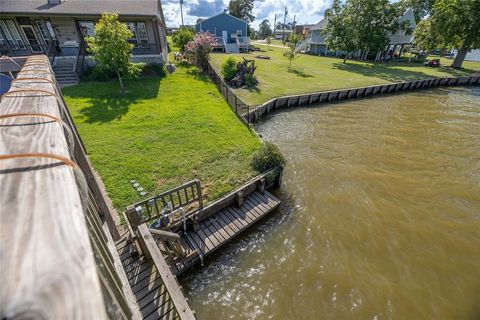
<point x="121" y="82"/>
<point x="345" y="59"/>
<point x="462" y="52"/>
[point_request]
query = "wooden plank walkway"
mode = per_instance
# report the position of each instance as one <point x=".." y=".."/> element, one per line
<point x="153" y="299"/>
<point x="223" y="226"/>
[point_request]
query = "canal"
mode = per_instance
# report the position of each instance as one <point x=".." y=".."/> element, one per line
<point x="380" y="216"/>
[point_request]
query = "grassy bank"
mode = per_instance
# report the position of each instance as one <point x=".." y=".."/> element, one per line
<point x="313" y="73"/>
<point x="162" y="133"/>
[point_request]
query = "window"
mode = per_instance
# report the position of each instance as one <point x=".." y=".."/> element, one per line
<point x="11" y="32"/>
<point x="239" y="33"/>
<point x="87" y="28"/>
<point x="43" y="30"/>
<point x="140" y="37"/>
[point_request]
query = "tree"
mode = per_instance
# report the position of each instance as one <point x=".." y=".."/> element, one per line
<point x="111" y="48"/>
<point x="456" y="24"/>
<point x="268" y="40"/>
<point x="292" y="53"/>
<point x="242" y="9"/>
<point x="264" y="30"/>
<point x="424" y="37"/>
<point x="181" y="37"/>
<point x="339" y="32"/>
<point x="361" y="25"/>
<point x="198" y="50"/>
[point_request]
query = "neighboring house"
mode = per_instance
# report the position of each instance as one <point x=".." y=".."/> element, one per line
<point x="315" y="44"/>
<point x="303" y="30"/>
<point x="58" y="27"/>
<point x="280" y="34"/>
<point x="230" y="32"/>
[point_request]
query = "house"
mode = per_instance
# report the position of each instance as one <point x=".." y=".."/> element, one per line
<point x="280" y="34"/>
<point x="58" y="27"/>
<point x="315" y="44"/>
<point x="230" y="32"/>
<point x="303" y="30"/>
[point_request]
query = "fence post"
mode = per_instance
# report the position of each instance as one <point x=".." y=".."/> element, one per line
<point x="236" y="104"/>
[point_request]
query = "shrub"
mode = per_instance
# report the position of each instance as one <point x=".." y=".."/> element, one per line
<point x="268" y="157"/>
<point x="198" y="50"/>
<point x="250" y="80"/>
<point x="229" y="68"/>
<point x="183" y="36"/>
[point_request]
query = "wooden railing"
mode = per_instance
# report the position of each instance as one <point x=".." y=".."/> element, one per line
<point x="58" y="257"/>
<point x="187" y="197"/>
<point x="150" y="249"/>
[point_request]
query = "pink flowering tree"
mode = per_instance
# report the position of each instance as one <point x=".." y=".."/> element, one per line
<point x="199" y="49"/>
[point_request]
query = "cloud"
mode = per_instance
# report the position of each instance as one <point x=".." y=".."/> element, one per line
<point x="205" y="8"/>
<point x="305" y="11"/>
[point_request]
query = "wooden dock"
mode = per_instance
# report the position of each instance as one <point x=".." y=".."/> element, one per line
<point x="186" y="241"/>
<point x="220" y="228"/>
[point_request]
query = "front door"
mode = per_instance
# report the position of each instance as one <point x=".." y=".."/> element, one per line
<point x="32" y="39"/>
<point x="225" y="36"/>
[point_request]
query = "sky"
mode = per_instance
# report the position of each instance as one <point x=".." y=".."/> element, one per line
<point x="306" y="11"/>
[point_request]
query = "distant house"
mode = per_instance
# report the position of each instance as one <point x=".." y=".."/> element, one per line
<point x="303" y="30"/>
<point x="59" y="27"/>
<point x="280" y="34"/>
<point x="230" y="32"/>
<point x="315" y="44"/>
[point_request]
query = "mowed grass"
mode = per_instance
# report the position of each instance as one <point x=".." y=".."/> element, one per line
<point x="162" y="133"/>
<point x="314" y="73"/>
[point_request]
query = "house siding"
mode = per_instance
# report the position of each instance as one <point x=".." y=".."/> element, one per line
<point x="223" y="22"/>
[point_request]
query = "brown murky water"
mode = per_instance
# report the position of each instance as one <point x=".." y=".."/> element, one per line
<point x="381" y="217"/>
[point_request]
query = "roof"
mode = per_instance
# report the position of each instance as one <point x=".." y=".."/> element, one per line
<point x="217" y="15"/>
<point x="82" y="7"/>
<point x="320" y="25"/>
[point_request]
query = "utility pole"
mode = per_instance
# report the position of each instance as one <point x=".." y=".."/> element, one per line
<point x="274" y="26"/>
<point x="294" y="24"/>
<point x="284" y="21"/>
<point x="181" y="10"/>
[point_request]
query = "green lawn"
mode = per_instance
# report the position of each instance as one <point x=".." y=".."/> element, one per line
<point x="313" y="73"/>
<point x="162" y="133"/>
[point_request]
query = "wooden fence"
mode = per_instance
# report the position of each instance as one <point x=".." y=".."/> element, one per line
<point x="256" y="112"/>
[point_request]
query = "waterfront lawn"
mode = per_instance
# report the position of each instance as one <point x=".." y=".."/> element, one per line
<point x="314" y="73"/>
<point x="162" y="133"/>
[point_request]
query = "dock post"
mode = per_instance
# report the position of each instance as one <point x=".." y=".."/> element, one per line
<point x="239" y="198"/>
<point x="278" y="180"/>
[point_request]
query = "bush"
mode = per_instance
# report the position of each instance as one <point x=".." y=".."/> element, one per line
<point x="268" y="157"/>
<point x="198" y="50"/>
<point x="250" y="80"/>
<point x="229" y="68"/>
<point x="183" y="36"/>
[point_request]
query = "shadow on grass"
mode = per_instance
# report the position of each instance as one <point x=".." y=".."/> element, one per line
<point x="106" y="102"/>
<point x="300" y="73"/>
<point x="391" y="72"/>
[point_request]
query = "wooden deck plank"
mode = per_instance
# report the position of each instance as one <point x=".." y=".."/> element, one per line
<point x="229" y="220"/>
<point x="215" y="235"/>
<point x="203" y="235"/>
<point x="226" y="223"/>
